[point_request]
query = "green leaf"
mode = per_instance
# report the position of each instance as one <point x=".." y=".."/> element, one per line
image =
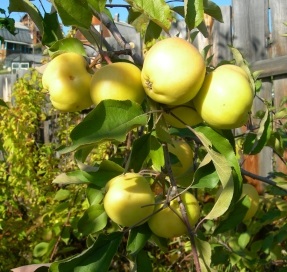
<point x="105" y="171"/>
<point x="98" y="257"/>
<point x="137" y="239"/>
<point x="67" y="45"/>
<point x="52" y="29"/>
<point x="204" y="254"/>
<point x="156" y="154"/>
<point x="3" y="104"/>
<point x="110" y="120"/>
<point x="213" y="10"/>
<point x="93" y="220"/>
<point x="9" y="24"/>
<point x="62" y="194"/>
<point x="94" y="194"/>
<point x="140" y="152"/>
<point x="143" y="262"/>
<point x="244" y="239"/>
<point x="98" y="5"/>
<point x="153" y="31"/>
<point x="205" y="176"/>
<point x="157" y="10"/>
<point x="226" y="165"/>
<point x="74" y="12"/>
<point x="241" y="62"/>
<point x="254" y="143"/>
<point x="40" y="249"/>
<point x="235" y="217"/>
<point x="27" y="7"/>
<point x="74" y="177"/>
<point x="193" y="13"/>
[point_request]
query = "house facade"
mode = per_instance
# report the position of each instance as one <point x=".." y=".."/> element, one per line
<point x="18" y="51"/>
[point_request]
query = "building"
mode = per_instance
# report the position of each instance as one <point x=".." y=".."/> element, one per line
<point x="20" y="51"/>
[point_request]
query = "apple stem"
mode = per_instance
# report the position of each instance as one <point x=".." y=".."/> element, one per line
<point x="174" y="192"/>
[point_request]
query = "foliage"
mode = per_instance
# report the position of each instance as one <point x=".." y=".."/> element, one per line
<point x="121" y="136"/>
<point x="31" y="210"/>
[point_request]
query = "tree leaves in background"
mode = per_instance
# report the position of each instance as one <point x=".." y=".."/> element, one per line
<point x="74" y="12"/>
<point x="98" y="257"/>
<point x="110" y="120"/>
<point x="157" y="11"/>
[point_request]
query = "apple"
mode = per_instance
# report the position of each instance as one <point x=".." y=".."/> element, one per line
<point x="225" y="98"/>
<point x="181" y="157"/>
<point x="182" y="115"/>
<point x="119" y="81"/>
<point x="68" y="82"/>
<point x="129" y="200"/>
<point x="168" y="222"/>
<point x="251" y="192"/>
<point x="173" y="71"/>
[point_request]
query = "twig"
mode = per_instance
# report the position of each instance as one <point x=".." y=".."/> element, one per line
<point x="111" y="26"/>
<point x="182" y="207"/>
<point x="263" y="179"/>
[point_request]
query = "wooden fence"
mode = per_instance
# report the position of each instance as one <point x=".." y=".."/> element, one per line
<point x="256" y="28"/>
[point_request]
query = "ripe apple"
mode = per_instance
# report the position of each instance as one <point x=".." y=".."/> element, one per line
<point x="185" y="113"/>
<point x="182" y="163"/>
<point x="251" y="192"/>
<point x="129" y="199"/>
<point x="168" y="222"/>
<point x="68" y="82"/>
<point x="225" y="98"/>
<point x="235" y="68"/>
<point x="173" y="71"/>
<point x="119" y="81"/>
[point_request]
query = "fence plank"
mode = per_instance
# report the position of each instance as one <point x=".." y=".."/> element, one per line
<point x="222" y="37"/>
<point x="250" y="28"/>
<point x="278" y="10"/>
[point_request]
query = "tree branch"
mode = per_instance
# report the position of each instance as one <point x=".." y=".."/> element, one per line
<point x="263" y="179"/>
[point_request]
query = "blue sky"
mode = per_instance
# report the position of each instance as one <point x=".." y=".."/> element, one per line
<point x="122" y="11"/>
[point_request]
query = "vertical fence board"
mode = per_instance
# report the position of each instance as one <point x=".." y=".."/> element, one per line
<point x="278" y="11"/>
<point x="249" y="28"/>
<point x="222" y="37"/>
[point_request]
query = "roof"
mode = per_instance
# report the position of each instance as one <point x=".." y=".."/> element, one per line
<point x="37" y="59"/>
<point x="22" y="34"/>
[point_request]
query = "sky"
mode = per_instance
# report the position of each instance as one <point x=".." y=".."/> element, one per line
<point x="121" y="11"/>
